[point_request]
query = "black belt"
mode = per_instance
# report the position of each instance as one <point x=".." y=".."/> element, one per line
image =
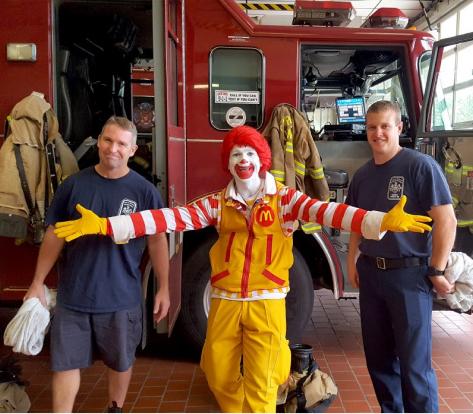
<point x="384" y="263"/>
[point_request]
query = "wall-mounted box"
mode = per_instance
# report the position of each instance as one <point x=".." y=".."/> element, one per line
<point x="24" y="52"/>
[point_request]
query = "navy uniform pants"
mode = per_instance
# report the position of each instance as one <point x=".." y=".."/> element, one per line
<point x="396" y="317"/>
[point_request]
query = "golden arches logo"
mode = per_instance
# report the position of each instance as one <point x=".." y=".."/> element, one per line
<point x="265" y="216"/>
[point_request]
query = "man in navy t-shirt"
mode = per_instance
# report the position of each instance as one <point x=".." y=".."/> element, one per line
<point x="396" y="274"/>
<point x="99" y="291"/>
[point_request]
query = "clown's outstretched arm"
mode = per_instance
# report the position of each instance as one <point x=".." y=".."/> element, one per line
<point x="370" y="224"/>
<point x="121" y="229"/>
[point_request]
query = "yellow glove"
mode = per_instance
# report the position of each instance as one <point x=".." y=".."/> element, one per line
<point x="398" y="220"/>
<point x="89" y="223"/>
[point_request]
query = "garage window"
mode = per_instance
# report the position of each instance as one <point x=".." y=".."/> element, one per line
<point x="453" y="104"/>
<point x="236" y="87"/>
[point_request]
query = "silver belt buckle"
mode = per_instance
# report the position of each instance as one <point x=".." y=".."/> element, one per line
<point x="381" y="263"/>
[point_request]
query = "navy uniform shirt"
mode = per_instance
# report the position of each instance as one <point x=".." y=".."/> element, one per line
<point x="380" y="187"/>
<point x="95" y="274"/>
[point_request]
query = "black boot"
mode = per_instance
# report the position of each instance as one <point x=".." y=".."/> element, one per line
<point x="114" y="408"/>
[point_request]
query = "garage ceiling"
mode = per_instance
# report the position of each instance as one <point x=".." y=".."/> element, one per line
<point x="266" y="13"/>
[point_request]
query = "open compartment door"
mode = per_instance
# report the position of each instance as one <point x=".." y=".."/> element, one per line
<point x="446" y="126"/>
<point x="169" y="135"/>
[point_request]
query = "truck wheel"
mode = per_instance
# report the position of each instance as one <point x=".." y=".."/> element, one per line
<point x="192" y="323"/>
<point x="195" y="297"/>
<point x="300" y="299"/>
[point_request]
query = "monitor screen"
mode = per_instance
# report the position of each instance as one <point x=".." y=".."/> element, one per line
<point x="351" y="110"/>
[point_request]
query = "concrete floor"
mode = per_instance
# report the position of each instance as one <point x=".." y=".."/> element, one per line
<point x="166" y="379"/>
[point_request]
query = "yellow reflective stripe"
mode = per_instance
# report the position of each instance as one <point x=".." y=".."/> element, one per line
<point x="464" y="223"/>
<point x="454" y="200"/>
<point x="299" y="167"/>
<point x="318" y="177"/>
<point x="466" y="169"/>
<point x="317" y="173"/>
<point x="451" y="166"/>
<point x="288" y="131"/>
<point x="289" y="147"/>
<point x="278" y="175"/>
<point x="299" y="164"/>
<point x="277" y="172"/>
<point x="310" y="227"/>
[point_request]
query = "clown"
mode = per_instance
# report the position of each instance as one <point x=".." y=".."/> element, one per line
<point x="255" y="217"/>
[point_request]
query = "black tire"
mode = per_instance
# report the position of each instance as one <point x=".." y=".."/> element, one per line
<point x="300" y="300"/>
<point x="150" y="336"/>
<point x="192" y="323"/>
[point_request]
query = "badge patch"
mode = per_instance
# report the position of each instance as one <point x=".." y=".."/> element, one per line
<point x="396" y="188"/>
<point x="127" y="207"/>
<point x="265" y="216"/>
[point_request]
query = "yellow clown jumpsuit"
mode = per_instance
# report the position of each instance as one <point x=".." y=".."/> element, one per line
<point x="250" y="271"/>
<point x="250" y="262"/>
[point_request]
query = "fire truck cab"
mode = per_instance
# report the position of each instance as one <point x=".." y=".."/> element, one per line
<point x="186" y="72"/>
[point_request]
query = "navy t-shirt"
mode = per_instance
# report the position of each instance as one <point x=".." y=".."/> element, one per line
<point x="379" y="187"/>
<point x="95" y="274"/>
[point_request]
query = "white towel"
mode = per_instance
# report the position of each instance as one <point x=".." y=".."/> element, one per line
<point x="460" y="272"/>
<point x="26" y="331"/>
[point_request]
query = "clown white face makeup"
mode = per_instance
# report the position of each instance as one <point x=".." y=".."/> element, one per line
<point x="244" y="164"/>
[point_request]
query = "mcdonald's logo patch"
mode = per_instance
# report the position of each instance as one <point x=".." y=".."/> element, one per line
<point x="265" y="216"/>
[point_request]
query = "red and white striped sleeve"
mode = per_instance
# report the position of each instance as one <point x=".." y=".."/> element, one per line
<point x="298" y="206"/>
<point x="197" y="215"/>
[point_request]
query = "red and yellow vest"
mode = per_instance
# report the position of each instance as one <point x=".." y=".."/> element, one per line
<point x="252" y="255"/>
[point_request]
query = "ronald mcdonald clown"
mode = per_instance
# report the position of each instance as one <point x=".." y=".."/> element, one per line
<point x="255" y="217"/>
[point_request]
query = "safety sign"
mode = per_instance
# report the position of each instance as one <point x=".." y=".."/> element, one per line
<point x="241" y="97"/>
<point x="235" y="116"/>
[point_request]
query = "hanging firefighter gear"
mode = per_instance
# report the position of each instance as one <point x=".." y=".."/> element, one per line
<point x="33" y="160"/>
<point x="459" y="174"/>
<point x="295" y="159"/>
<point x="308" y="390"/>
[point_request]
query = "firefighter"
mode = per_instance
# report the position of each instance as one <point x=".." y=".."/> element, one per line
<point x="396" y="275"/>
<point x="255" y="217"/>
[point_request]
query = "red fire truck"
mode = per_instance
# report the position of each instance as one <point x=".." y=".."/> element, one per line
<point x="187" y="71"/>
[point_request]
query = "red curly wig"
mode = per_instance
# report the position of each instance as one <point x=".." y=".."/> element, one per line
<point x="245" y="136"/>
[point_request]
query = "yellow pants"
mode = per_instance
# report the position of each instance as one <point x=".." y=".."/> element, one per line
<point x="256" y="331"/>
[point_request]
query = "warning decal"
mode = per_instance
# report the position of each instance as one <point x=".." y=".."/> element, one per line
<point x="233" y="97"/>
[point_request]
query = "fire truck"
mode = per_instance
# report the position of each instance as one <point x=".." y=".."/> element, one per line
<point x="187" y="71"/>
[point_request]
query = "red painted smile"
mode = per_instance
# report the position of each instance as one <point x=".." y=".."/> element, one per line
<point x="244" y="171"/>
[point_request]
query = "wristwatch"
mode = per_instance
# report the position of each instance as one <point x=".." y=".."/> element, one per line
<point x="432" y="271"/>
